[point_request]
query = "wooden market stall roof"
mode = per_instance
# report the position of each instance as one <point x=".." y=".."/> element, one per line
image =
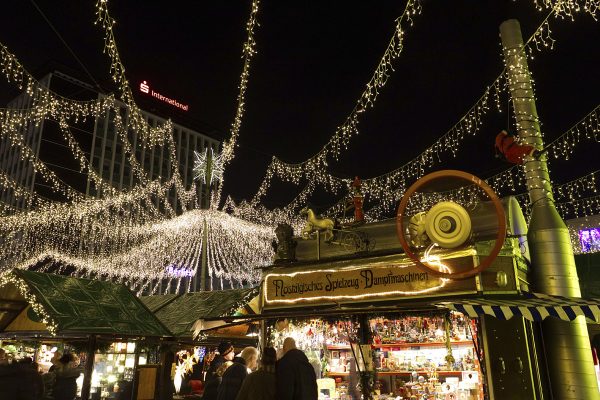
<point x="35" y="301"/>
<point x="180" y="313"/>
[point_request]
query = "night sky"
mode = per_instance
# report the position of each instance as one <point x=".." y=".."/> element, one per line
<point x="314" y="59"/>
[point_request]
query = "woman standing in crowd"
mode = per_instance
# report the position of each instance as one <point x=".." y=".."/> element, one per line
<point x="235" y="375"/>
<point x="67" y="372"/>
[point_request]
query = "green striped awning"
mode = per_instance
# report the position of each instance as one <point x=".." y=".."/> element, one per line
<point x="532" y="306"/>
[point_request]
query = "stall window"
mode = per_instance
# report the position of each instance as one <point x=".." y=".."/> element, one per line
<point x="113" y="371"/>
<point x="413" y="355"/>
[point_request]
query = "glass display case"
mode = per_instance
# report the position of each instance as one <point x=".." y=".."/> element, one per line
<point x="114" y="369"/>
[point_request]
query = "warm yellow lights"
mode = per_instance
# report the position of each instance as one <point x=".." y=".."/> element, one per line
<point x="388" y="188"/>
<point x="151" y="135"/>
<point x="248" y="51"/>
<point x="135" y="235"/>
<point x="99" y="241"/>
<point x="10" y="278"/>
<point x="315" y="167"/>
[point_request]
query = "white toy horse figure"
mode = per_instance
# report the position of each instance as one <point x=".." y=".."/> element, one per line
<point x="316" y="224"/>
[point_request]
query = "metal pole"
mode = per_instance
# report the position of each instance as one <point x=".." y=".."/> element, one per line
<point x="88" y="368"/>
<point x="567" y="345"/>
<point x="204" y="266"/>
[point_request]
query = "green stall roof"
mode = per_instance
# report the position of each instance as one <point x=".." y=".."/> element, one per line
<point x="156" y="302"/>
<point x="78" y="305"/>
<point x="180" y="314"/>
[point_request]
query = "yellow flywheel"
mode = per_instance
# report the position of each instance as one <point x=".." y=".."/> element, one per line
<point x="448" y="224"/>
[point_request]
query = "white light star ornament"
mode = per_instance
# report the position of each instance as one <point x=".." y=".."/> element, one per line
<point x="208" y="167"/>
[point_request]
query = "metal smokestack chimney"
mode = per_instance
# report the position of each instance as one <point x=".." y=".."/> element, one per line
<point x="566" y="344"/>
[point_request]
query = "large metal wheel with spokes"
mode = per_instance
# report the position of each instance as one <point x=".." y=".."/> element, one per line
<point x="450" y="224"/>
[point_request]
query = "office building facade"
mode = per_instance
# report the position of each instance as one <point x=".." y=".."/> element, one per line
<point x="103" y="146"/>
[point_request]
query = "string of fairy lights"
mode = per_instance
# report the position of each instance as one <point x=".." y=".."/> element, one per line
<point x="509" y="181"/>
<point x="248" y="51"/>
<point x="102" y="105"/>
<point x="574" y="199"/>
<point x="577" y="201"/>
<point x="11" y="279"/>
<point x="119" y="231"/>
<point x="151" y="135"/>
<point x="12" y="134"/>
<point x="100" y="238"/>
<point x="387" y="186"/>
<point x="313" y="168"/>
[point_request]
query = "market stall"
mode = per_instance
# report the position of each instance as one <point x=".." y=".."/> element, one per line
<point x="195" y="321"/>
<point x="377" y="319"/>
<point x="110" y="330"/>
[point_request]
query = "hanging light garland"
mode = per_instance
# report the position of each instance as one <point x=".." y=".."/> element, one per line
<point x="236" y="247"/>
<point x="116" y="241"/>
<point x="314" y="167"/>
<point x="15" y="139"/>
<point x="588" y="129"/>
<point x="510" y="180"/>
<point x="248" y="51"/>
<point x="84" y="163"/>
<point x="568" y="8"/>
<point x="10" y="279"/>
<point x="151" y="135"/>
<point x="44" y="101"/>
<point x="19" y="191"/>
<point x="388" y="187"/>
<point x="113" y="236"/>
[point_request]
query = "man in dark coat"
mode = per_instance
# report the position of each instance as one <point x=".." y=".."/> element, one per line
<point x="296" y="379"/>
<point x="213" y="380"/>
<point x="260" y="384"/>
<point x="17" y="380"/>
<point x="235" y="375"/>
<point x="226" y="353"/>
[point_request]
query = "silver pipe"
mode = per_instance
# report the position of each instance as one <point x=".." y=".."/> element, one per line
<point x="567" y="344"/>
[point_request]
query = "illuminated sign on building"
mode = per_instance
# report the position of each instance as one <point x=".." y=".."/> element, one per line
<point x="179" y="272"/>
<point x="389" y="279"/>
<point x="145" y="88"/>
<point x="350" y="284"/>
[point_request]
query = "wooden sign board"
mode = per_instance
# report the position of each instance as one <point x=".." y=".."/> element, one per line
<point x="372" y="281"/>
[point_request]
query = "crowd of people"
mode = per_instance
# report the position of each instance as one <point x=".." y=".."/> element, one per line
<point x="291" y="377"/>
<point x="249" y="376"/>
<point x="22" y="380"/>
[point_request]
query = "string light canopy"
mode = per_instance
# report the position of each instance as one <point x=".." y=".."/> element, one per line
<point x="99" y="243"/>
<point x="112" y="236"/>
